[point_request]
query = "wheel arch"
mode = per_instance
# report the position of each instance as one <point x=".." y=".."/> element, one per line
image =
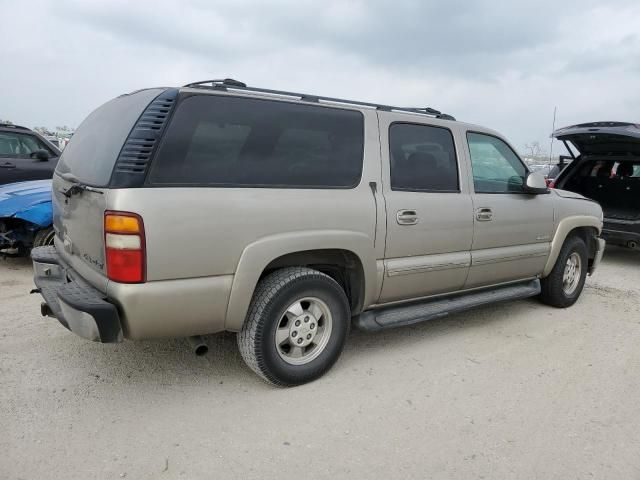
<point x="586" y="227"/>
<point x="344" y="266"/>
<point x="347" y="257"/>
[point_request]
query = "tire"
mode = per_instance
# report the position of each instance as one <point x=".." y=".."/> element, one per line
<point x="44" y="237"/>
<point x="268" y="341"/>
<point x="556" y="290"/>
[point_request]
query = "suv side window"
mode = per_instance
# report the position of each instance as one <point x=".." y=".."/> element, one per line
<point x="423" y="158"/>
<point x="496" y="167"/>
<point x="245" y="142"/>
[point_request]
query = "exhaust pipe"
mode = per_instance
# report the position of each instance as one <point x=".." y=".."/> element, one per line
<point x="198" y="344"/>
<point x="632" y="244"/>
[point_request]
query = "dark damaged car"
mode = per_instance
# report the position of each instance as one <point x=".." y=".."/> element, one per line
<point x="27" y="162"/>
<point x="25" y="155"/>
<point x="606" y="168"/>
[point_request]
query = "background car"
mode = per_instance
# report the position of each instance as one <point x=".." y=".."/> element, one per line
<point x="543" y="169"/>
<point x="606" y="170"/>
<point x="25" y="155"/>
<point x="25" y="216"/>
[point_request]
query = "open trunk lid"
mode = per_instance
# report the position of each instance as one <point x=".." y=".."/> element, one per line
<point x="602" y="138"/>
<point x="84" y="176"/>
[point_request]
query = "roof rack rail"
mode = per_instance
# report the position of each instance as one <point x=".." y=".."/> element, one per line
<point x="428" y="110"/>
<point x="219" y="83"/>
<point x="229" y="83"/>
<point x="11" y="125"/>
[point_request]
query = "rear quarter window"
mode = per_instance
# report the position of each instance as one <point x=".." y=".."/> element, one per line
<point x="231" y="141"/>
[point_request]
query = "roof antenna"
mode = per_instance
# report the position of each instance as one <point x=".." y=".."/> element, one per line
<point x="553" y="129"/>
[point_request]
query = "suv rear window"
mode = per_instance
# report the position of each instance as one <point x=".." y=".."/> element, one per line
<point x="231" y="141"/>
<point x="95" y="145"/>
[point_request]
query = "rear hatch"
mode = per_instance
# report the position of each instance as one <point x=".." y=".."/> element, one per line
<point x="608" y="169"/>
<point x="82" y="181"/>
<point x="602" y="138"/>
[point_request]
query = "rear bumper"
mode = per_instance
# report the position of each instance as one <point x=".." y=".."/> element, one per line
<point x="620" y="234"/>
<point x="78" y="306"/>
<point x="600" y="244"/>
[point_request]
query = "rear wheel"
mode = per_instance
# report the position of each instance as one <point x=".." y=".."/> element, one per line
<point x="562" y="287"/>
<point x="44" y="237"/>
<point x="296" y="326"/>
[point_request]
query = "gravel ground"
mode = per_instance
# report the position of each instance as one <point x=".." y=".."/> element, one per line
<point x="516" y="390"/>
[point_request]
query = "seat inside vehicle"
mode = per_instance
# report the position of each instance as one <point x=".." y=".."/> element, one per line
<point x="615" y="184"/>
<point x="423" y="171"/>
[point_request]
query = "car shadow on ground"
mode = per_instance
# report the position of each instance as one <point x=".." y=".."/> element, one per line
<point x="14" y="262"/>
<point x="173" y="362"/>
<point x="621" y="256"/>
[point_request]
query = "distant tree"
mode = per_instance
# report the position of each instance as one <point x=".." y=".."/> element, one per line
<point x="43" y="130"/>
<point x="534" y="149"/>
<point x="8" y="122"/>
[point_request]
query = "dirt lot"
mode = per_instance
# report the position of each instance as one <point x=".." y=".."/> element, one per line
<point x="513" y="391"/>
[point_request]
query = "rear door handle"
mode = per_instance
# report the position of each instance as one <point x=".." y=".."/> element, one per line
<point x="484" y="214"/>
<point x="407" y="217"/>
<point x="8" y="165"/>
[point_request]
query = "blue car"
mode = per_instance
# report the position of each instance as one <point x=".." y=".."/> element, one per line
<point x="26" y="219"/>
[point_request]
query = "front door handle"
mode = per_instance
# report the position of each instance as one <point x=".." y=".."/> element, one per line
<point x="484" y="214"/>
<point x="8" y="165"/>
<point x="407" y="217"/>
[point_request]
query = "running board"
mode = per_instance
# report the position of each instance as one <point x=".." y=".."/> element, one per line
<point x="410" y="314"/>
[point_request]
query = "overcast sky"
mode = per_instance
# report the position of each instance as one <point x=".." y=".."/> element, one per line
<point x="504" y="65"/>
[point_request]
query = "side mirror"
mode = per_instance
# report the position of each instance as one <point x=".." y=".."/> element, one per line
<point x="41" y="155"/>
<point x="535" y="183"/>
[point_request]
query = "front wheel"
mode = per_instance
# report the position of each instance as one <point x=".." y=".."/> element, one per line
<point x="296" y="326"/>
<point x="562" y="287"/>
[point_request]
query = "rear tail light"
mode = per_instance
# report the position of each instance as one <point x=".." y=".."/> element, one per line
<point x="551" y="183"/>
<point x="124" y="247"/>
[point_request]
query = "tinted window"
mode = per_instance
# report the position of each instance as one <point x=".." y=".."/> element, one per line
<point x="423" y="158"/>
<point x="496" y="168"/>
<point x="95" y="145"/>
<point x="218" y="140"/>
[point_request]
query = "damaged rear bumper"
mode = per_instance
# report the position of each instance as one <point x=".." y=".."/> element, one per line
<point x="77" y="305"/>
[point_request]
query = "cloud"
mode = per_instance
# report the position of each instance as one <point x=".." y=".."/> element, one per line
<point x="504" y="65"/>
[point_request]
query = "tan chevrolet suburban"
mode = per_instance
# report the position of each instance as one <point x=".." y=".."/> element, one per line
<point x="287" y="217"/>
